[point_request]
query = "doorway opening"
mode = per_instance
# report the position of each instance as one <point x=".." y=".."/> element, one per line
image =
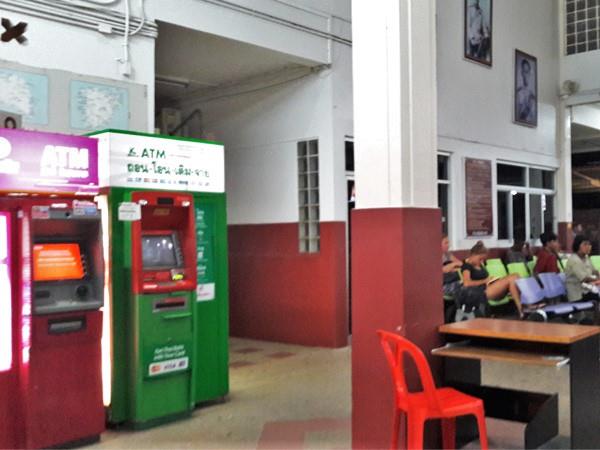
<point x="585" y="169"/>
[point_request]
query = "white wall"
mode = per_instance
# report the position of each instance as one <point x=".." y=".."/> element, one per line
<point x="583" y="68"/>
<point x="475" y="103"/>
<point x="587" y="115"/>
<point x="297" y="26"/>
<point x="261" y="130"/>
<point x="53" y="45"/>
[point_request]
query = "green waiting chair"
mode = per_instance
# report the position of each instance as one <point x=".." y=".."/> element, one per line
<point x="561" y="264"/>
<point x="494" y="262"/>
<point x="595" y="261"/>
<point x="518" y="268"/>
<point x="531" y="264"/>
<point x="497" y="270"/>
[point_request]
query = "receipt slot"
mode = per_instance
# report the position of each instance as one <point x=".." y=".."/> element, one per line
<point x="163" y="247"/>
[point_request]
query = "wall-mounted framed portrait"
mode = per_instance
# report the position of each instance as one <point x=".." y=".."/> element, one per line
<point x="526" y="89"/>
<point x="478" y="31"/>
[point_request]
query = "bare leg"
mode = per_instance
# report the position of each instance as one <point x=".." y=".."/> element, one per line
<point x="501" y="287"/>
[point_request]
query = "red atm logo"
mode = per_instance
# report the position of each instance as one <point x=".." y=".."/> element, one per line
<point x="16" y="32"/>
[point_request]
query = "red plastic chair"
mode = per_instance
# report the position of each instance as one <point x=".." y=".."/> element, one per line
<point x="431" y="403"/>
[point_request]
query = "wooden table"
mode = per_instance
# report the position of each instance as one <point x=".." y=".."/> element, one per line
<point x="531" y="343"/>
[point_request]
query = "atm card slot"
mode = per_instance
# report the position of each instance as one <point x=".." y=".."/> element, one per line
<point x="170" y="305"/>
<point x="42" y="294"/>
<point x="165" y="201"/>
<point x="63" y="326"/>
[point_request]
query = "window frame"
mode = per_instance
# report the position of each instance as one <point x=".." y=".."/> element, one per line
<point x="309" y="226"/>
<point x="527" y="191"/>
<point x="447" y="182"/>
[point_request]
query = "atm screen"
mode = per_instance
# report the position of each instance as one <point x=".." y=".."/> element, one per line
<point x="56" y="262"/>
<point x="159" y="251"/>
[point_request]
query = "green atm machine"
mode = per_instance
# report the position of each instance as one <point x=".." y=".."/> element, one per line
<point x="165" y="346"/>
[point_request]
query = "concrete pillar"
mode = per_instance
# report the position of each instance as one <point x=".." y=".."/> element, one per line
<point x="564" y="192"/>
<point x="396" y="228"/>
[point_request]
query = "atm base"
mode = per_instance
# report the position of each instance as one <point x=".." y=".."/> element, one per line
<point x="79" y="442"/>
<point x="214" y="401"/>
<point x="159" y="421"/>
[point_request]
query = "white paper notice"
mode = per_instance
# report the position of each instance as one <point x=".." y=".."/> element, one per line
<point x="205" y="292"/>
<point x="130" y="212"/>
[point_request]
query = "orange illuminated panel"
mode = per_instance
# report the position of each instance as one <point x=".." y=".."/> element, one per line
<point x="55" y="262"/>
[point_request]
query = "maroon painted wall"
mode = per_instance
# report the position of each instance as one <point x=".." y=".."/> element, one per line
<point x="279" y="294"/>
<point x="396" y="283"/>
<point x="7" y="412"/>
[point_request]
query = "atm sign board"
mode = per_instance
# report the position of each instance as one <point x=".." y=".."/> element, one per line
<point x="135" y="160"/>
<point x="47" y="162"/>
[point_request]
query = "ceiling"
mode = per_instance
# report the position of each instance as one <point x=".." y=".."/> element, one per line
<point x="189" y="61"/>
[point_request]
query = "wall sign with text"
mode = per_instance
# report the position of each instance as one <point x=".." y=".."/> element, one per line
<point x="478" y="187"/>
<point x="47" y="162"/>
<point x="154" y="162"/>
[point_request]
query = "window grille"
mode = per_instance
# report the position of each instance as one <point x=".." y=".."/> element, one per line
<point x="582" y="26"/>
<point x="308" y="196"/>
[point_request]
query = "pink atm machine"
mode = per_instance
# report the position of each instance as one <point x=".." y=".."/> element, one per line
<point x="51" y="291"/>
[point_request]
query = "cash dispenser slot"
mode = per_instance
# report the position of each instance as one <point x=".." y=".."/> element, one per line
<point x="170" y="304"/>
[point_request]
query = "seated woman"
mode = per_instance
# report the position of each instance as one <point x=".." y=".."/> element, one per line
<point x="450" y="266"/>
<point x="519" y="252"/>
<point x="475" y="276"/>
<point x="581" y="275"/>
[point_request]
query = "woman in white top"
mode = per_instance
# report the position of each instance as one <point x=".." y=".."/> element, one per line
<point x="580" y="272"/>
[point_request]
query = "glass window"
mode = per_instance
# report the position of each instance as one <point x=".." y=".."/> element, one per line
<point x="536" y="226"/>
<point x="503" y="215"/>
<point x="443" y="204"/>
<point x="547" y="179"/>
<point x="308" y="196"/>
<point x="548" y="208"/>
<point x="527" y="209"/>
<point x="349" y="156"/>
<point x="511" y="175"/>
<point x="535" y="178"/>
<point x="543" y="179"/>
<point x="442" y="164"/>
<point x="518" y="216"/>
<point x="443" y="173"/>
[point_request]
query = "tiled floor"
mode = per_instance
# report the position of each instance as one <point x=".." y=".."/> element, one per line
<point x="282" y="397"/>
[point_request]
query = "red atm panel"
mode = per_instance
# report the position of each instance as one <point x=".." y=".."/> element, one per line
<point x="66" y="361"/>
<point x="164" y="243"/>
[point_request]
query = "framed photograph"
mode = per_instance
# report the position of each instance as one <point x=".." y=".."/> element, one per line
<point x="526" y="89"/>
<point x="478" y="31"/>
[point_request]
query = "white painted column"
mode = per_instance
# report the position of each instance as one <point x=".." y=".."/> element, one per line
<point x="395" y="103"/>
<point x="564" y="194"/>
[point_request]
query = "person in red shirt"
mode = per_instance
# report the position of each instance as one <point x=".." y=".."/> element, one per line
<point x="547" y="257"/>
